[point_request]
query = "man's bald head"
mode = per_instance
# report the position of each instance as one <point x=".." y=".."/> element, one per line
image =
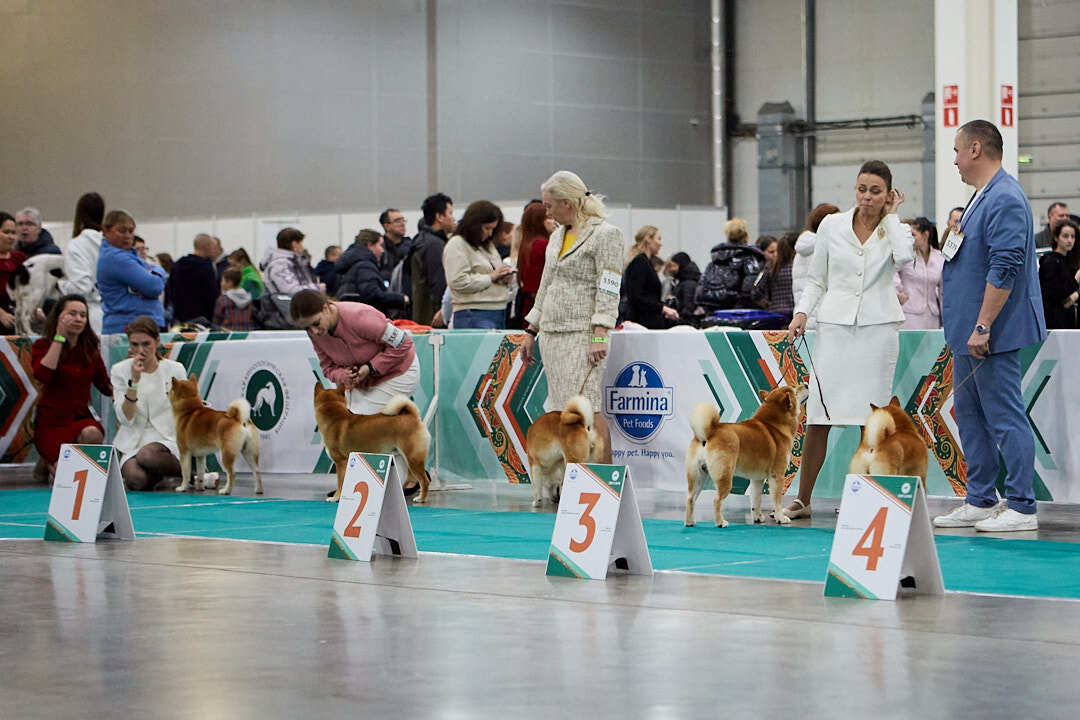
<point x="204" y="245"/>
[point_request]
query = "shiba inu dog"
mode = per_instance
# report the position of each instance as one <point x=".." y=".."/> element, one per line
<point x="571" y="435"/>
<point x="757" y="449"/>
<point x="891" y="444"/>
<point x="398" y="426"/>
<point x="201" y="431"/>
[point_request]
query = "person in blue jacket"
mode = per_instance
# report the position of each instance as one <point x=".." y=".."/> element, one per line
<point x="129" y="286"/>
<point x="991" y="308"/>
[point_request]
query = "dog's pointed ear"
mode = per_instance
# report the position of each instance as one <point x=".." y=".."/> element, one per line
<point x="873" y="407"/>
<point x="193" y="378"/>
<point x="762" y="394"/>
<point x="895" y="401"/>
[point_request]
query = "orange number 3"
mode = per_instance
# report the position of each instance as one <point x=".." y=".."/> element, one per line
<point x="869" y="545"/>
<point x="588" y="522"/>
<point x="80" y="480"/>
<point x="352" y="530"/>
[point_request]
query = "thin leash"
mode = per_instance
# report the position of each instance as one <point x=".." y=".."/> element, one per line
<point x="582" y="390"/>
<point x="968" y="376"/>
<point x="809" y="359"/>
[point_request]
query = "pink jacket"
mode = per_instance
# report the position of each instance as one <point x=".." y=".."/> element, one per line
<point x="921" y="281"/>
<point x="362" y="336"/>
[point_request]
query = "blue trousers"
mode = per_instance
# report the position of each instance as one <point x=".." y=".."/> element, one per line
<point x="990" y="413"/>
<point x="479" y="319"/>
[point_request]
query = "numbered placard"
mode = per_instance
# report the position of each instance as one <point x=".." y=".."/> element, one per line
<point x="88" y="499"/>
<point x="598" y="523"/>
<point x="882" y="535"/>
<point x="372" y="516"/>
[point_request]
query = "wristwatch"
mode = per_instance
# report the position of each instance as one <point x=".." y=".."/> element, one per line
<point x="981" y="329"/>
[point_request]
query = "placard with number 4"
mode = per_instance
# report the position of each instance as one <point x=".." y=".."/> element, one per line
<point x="88" y="500"/>
<point x="882" y="535"/>
<point x="372" y="515"/>
<point x="597" y="524"/>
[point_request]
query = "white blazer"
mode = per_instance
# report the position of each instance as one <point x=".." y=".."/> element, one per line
<point x="153" y="420"/>
<point x="80" y="272"/>
<point x="850" y="283"/>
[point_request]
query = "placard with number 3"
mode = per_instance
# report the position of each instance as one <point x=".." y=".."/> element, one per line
<point x="597" y="524"/>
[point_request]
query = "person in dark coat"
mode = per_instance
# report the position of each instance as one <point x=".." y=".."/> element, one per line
<point x="1059" y="280"/>
<point x="730" y="274"/>
<point x="32" y="238"/>
<point x="425" y="260"/>
<point x="193" y="286"/>
<point x="359" y="276"/>
<point x="684" y="289"/>
<point x="326" y="270"/>
<point x="641" y="284"/>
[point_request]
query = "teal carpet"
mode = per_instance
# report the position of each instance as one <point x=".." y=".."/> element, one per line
<point x="972" y="564"/>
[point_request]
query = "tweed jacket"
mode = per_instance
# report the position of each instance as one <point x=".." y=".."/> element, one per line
<point x="851" y="283"/>
<point x="581" y="288"/>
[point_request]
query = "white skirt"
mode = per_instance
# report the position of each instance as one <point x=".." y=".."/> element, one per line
<point x="371" y="400"/>
<point x="855" y="366"/>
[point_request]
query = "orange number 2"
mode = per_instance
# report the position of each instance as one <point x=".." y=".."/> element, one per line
<point x="80" y="480"/>
<point x="352" y="530"/>
<point x="869" y="545"/>
<point x="588" y="522"/>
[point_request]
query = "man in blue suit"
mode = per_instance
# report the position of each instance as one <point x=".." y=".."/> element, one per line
<point x="992" y="307"/>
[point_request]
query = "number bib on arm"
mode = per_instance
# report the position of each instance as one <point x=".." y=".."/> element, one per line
<point x="610" y="282"/>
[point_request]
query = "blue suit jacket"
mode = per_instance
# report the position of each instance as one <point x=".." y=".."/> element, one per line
<point x="998" y="248"/>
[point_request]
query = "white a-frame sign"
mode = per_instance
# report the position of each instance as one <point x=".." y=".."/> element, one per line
<point x="372" y="516"/>
<point x="597" y="524"/>
<point x="883" y="536"/>
<point x="88" y="499"/>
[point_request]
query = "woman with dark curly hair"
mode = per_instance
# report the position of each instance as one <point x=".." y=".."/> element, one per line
<point x="67" y="361"/>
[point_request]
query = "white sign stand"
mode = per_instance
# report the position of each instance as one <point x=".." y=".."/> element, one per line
<point x="597" y="524"/>
<point x="883" y="535"/>
<point x="88" y="500"/>
<point x="372" y="515"/>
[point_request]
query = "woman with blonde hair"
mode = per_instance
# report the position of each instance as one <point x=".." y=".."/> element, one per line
<point x="641" y="286"/>
<point x="578" y="298"/>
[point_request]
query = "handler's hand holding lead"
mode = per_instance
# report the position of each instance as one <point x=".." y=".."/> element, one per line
<point x="979" y="345"/>
<point x="797" y="328"/>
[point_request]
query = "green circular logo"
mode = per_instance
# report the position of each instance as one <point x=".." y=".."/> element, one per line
<point x="267" y="399"/>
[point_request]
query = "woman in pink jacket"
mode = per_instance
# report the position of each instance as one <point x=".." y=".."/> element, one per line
<point x="918" y="285"/>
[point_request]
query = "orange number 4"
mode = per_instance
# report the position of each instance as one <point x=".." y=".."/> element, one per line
<point x="80" y="480"/>
<point x="588" y="522"/>
<point x="352" y="530"/>
<point x="869" y="545"/>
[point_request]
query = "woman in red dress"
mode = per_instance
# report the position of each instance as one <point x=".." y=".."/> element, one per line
<point x="10" y="259"/>
<point x="536" y="228"/>
<point x="67" y="360"/>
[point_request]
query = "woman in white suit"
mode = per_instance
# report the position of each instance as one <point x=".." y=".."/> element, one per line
<point x="850" y="285"/>
<point x="146" y="438"/>
<point x="577" y="302"/>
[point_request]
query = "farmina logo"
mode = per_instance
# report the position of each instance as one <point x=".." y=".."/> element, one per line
<point x="639" y="401"/>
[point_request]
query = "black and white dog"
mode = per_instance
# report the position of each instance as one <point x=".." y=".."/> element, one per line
<point x="31" y="285"/>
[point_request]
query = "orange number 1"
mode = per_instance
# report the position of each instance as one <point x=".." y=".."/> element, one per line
<point x="80" y="480"/>
<point x="869" y="545"/>
<point x="588" y="522"/>
<point x="352" y="529"/>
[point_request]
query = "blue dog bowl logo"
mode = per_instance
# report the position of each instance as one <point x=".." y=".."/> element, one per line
<point x="639" y="401"/>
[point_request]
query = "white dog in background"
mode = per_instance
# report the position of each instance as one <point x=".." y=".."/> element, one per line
<point x="32" y="283"/>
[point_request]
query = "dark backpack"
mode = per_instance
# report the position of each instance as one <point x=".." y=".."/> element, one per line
<point x="272" y="311"/>
<point x="727" y="284"/>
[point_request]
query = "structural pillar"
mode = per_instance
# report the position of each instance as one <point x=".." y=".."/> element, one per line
<point x="975" y="71"/>
<point x="782" y="193"/>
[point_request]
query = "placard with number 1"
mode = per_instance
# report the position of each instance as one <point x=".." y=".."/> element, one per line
<point x="882" y="536"/>
<point x="88" y="499"/>
<point x="598" y="523"/>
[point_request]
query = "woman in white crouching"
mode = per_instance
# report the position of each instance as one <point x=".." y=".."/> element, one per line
<point x="146" y="437"/>
<point x="850" y="286"/>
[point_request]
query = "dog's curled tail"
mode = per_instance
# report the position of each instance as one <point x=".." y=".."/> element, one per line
<point x="703" y="420"/>
<point x="578" y="410"/>
<point x="400" y="404"/>
<point x="879" y="426"/>
<point x="239" y="409"/>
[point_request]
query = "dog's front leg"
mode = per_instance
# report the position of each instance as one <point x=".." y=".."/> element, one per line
<point x="756" y="488"/>
<point x="185" y="470"/>
<point x="200" y="472"/>
<point x="776" y="489"/>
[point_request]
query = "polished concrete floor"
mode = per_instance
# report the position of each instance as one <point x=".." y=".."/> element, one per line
<point x="186" y="628"/>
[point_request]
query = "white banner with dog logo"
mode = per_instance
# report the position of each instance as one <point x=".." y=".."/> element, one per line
<point x="372" y="515"/>
<point x="883" y="535"/>
<point x="598" y="523"/>
<point x="88" y="499"/>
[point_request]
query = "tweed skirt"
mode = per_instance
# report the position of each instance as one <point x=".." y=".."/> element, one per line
<point x="566" y="366"/>
<point x="855" y="366"/>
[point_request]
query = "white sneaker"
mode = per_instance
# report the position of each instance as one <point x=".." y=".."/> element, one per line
<point x="1008" y="520"/>
<point x="964" y="516"/>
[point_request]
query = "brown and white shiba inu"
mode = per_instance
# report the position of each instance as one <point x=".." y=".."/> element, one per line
<point x="757" y="449"/>
<point x="891" y="444"/>
<point x="571" y="435"/>
<point x="398" y="426"/>
<point x="201" y="431"/>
